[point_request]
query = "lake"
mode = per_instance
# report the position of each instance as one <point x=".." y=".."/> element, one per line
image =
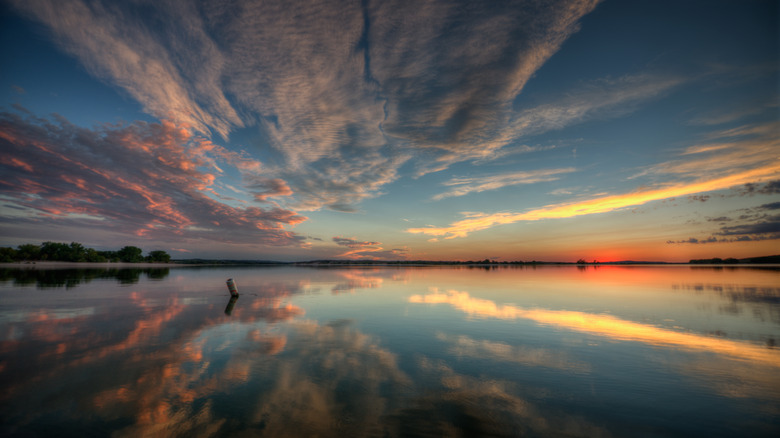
<point x="592" y="351"/>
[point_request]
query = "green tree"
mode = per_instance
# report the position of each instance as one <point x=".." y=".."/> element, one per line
<point x="28" y="251"/>
<point x="158" y="257"/>
<point x="110" y="256"/>
<point x="7" y="255"/>
<point x="130" y="254"/>
<point x="75" y="253"/>
<point x="94" y="256"/>
<point x="54" y="251"/>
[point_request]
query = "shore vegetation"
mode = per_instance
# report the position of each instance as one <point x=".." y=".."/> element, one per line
<point x="76" y="252"/>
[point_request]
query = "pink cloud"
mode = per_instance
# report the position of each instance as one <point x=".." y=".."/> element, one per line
<point x="144" y="179"/>
<point x="353" y="243"/>
<point x="15" y="162"/>
<point x="368" y="250"/>
<point x="264" y="188"/>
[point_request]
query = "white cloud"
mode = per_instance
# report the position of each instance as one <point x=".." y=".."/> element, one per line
<point x="464" y="186"/>
<point x="345" y="93"/>
<point x="173" y="70"/>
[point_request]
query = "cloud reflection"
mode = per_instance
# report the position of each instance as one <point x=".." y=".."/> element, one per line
<point x="604" y="325"/>
<point x="467" y="346"/>
<point x="145" y="359"/>
<point x="164" y="365"/>
<point x="461" y="405"/>
<point x="358" y="279"/>
<point x="762" y="300"/>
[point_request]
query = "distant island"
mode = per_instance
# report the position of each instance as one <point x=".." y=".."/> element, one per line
<point x="75" y="252"/>
<point x="732" y="261"/>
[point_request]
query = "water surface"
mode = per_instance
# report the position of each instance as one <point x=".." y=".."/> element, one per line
<point x="641" y="351"/>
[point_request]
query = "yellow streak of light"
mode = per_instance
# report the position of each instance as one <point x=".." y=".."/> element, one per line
<point x="599" y="205"/>
<point x="604" y="325"/>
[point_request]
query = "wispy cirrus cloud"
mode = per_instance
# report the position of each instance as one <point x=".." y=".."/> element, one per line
<point x="368" y="250"/>
<point x="480" y="221"/>
<point x="152" y="180"/>
<point x="600" y="99"/>
<point x="740" y="161"/>
<point x="346" y="93"/>
<point x="753" y="224"/>
<point x="604" y="98"/>
<point x="464" y="186"/>
<point x="174" y="69"/>
<point x="352" y="243"/>
<point x="343" y="182"/>
<point x="721" y="116"/>
<point x="289" y="70"/>
<point x="452" y="72"/>
<point x="729" y="150"/>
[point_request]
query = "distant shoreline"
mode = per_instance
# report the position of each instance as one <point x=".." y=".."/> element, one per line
<point x="37" y="264"/>
<point x="68" y="265"/>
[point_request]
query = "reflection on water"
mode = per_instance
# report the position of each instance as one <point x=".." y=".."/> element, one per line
<point x="230" y="305"/>
<point x="603" y="325"/>
<point x="70" y="278"/>
<point x="550" y="351"/>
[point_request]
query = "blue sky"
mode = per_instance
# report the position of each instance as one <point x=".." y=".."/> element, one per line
<point x="536" y="130"/>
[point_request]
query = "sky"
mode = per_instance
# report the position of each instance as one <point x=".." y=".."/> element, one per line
<point x="393" y="130"/>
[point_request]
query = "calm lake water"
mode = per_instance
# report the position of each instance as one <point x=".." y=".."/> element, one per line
<point x="672" y="351"/>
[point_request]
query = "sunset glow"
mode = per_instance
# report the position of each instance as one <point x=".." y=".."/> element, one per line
<point x="602" y="205"/>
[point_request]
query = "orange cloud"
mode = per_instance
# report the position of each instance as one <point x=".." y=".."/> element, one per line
<point x="357" y="279"/>
<point x="161" y="188"/>
<point x="13" y="161"/>
<point x="603" y="204"/>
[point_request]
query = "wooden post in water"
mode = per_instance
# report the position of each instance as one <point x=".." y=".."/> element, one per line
<point x="232" y="287"/>
<point x="231" y="303"/>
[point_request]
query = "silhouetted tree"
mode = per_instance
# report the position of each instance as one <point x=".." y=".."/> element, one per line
<point x="54" y="251"/>
<point x="130" y="254"/>
<point x="110" y="256"/>
<point x="158" y="257"/>
<point x="75" y="253"/>
<point x="28" y="251"/>
<point x="94" y="256"/>
<point x="7" y="255"/>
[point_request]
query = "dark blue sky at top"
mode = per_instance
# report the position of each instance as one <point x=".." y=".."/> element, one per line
<point x="49" y="81"/>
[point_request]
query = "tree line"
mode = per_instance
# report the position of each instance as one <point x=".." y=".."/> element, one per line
<point x="76" y="252"/>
